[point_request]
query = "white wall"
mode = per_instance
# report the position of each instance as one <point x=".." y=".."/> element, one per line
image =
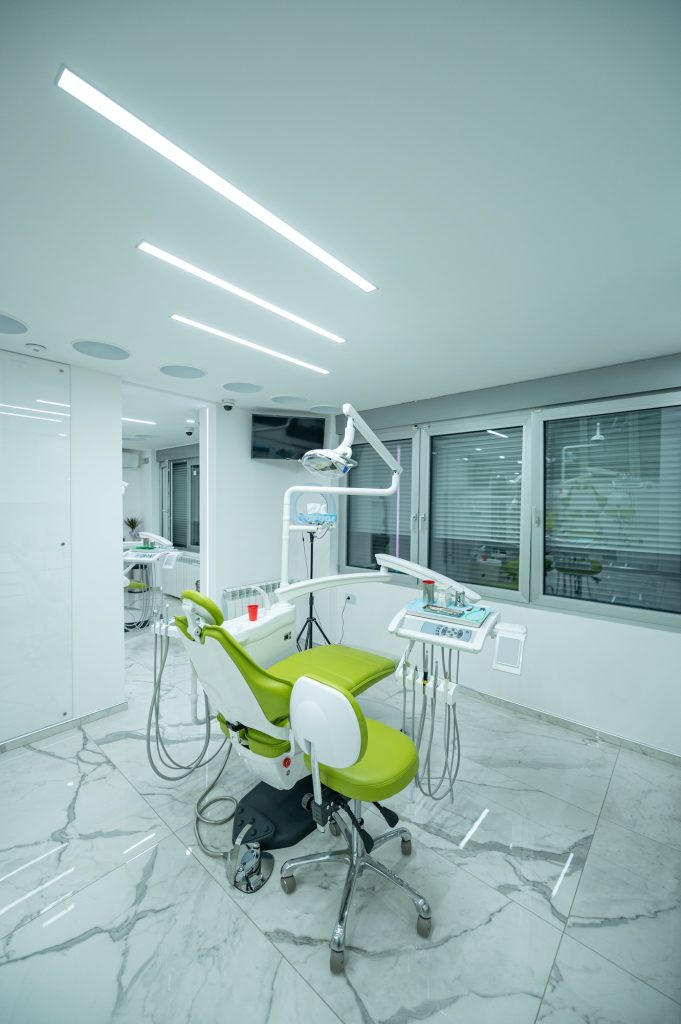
<point x="138" y="498"/>
<point x="96" y="523"/>
<point x="248" y="500"/>
<point x="619" y="679"/>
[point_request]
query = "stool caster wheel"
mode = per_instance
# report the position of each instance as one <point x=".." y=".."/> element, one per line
<point x="406" y="847"/>
<point x="423" y="926"/>
<point x="288" y="884"/>
<point x="334" y="829"/>
<point x="337" y="961"/>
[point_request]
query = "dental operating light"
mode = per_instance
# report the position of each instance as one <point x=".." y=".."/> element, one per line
<point x="112" y="111"/>
<point x="330" y="463"/>
<point x="204" y="275"/>
<point x="242" y="341"/>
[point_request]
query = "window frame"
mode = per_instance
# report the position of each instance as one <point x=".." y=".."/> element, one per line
<point x="467" y="426"/>
<point x="618" y="613"/>
<point x="532" y="539"/>
<point x="389" y="434"/>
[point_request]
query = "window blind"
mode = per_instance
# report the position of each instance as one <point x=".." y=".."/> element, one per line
<point x="475" y="502"/>
<point x="379" y="525"/>
<point x="180" y="504"/>
<point x="613" y="508"/>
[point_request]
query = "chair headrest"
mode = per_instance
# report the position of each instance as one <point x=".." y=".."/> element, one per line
<point x="197" y="604"/>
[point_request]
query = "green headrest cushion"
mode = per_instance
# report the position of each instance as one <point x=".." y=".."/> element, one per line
<point x="206" y="604"/>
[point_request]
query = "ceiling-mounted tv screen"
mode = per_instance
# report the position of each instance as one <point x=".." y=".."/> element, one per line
<point x="285" y="437"/>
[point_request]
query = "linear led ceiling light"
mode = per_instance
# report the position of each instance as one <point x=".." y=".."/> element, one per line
<point x="46" y="401"/>
<point x="147" y="423"/>
<point x="242" y="341"/>
<point x="497" y="433"/>
<point x="101" y="104"/>
<point x="204" y="275"/>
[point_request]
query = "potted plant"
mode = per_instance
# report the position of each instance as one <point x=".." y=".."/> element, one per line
<point x="133" y="524"/>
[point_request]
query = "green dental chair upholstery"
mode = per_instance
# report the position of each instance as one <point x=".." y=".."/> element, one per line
<point x="356" y="759"/>
<point x="351" y="669"/>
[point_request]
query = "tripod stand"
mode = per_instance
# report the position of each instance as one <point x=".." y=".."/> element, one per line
<point x="311" y="621"/>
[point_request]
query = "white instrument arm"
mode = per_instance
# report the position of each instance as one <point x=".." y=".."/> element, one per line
<point x="422" y="572"/>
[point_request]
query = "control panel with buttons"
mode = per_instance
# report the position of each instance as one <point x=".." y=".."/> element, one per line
<point x="451" y="632"/>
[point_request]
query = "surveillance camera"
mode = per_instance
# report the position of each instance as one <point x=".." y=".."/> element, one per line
<point x="189" y="433"/>
<point x="227" y="405"/>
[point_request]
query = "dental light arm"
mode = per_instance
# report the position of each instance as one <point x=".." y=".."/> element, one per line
<point x="337" y="462"/>
<point x="290" y="591"/>
<point x="421" y="572"/>
<point x="355" y="420"/>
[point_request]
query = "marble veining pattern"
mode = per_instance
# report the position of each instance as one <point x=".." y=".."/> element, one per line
<point x="563" y="906"/>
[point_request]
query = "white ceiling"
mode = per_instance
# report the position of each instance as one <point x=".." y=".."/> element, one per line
<point x="508" y="174"/>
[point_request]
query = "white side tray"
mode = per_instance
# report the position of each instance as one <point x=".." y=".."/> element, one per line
<point x="434" y="631"/>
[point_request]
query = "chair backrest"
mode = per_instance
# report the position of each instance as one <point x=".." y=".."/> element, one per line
<point x="251" y="695"/>
<point x="327" y="722"/>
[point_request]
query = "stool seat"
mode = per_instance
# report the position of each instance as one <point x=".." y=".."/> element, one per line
<point x="388" y="765"/>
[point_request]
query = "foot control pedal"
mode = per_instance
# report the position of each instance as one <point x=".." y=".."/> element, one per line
<point x="248" y="867"/>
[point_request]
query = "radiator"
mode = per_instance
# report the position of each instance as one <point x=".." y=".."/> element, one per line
<point x="235" y="599"/>
<point x="184" y="575"/>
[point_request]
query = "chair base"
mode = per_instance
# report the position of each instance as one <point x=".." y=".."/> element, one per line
<point x="358" y="860"/>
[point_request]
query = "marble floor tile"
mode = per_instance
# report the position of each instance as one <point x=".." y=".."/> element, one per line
<point x="563" y="763"/>
<point x="157" y="941"/>
<point x="173" y="800"/>
<point x="68" y="817"/>
<point x="628" y="906"/>
<point x="645" y="795"/>
<point x="585" y="989"/>
<point x="529" y="846"/>
<point x="487" y="959"/>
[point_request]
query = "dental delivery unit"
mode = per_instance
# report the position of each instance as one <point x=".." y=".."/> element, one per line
<point x="295" y="717"/>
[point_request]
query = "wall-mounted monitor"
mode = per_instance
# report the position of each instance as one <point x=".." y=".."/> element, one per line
<point x="285" y="437"/>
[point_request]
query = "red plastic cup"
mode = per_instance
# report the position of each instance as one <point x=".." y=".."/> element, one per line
<point x="252" y="611"/>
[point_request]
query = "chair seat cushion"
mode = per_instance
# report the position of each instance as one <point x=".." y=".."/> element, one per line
<point x="388" y="766"/>
<point x="353" y="669"/>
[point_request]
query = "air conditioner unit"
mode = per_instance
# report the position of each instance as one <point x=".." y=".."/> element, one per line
<point x="131" y="459"/>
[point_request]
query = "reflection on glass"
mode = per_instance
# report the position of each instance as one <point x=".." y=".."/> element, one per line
<point x="475" y="500"/>
<point x="377" y="525"/>
<point x="613" y="508"/>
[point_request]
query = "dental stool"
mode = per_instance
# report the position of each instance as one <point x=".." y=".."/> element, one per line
<point x="353" y="759"/>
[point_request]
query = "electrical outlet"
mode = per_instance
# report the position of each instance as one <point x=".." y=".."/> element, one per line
<point x="350" y="599"/>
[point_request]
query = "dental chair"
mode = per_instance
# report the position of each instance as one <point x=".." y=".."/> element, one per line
<point x="248" y="683"/>
<point x="353" y="759"/>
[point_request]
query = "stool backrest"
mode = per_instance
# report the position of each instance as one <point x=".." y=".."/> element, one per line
<point x="327" y="722"/>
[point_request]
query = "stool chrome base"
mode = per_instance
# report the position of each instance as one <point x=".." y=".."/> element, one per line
<point x="358" y="860"/>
